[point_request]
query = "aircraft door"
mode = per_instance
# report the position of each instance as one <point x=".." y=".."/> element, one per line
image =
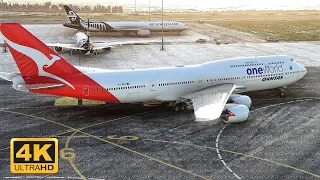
<point x="85" y="90"/>
<point x="200" y="81"/>
<point x="152" y="86"/>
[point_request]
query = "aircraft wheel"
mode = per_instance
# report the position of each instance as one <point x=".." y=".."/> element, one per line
<point x="282" y="93"/>
<point x="165" y="104"/>
<point x="176" y="108"/>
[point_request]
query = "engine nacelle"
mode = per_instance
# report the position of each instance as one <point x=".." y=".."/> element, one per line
<point x="83" y="52"/>
<point x="107" y="49"/>
<point x="58" y="49"/>
<point x="235" y="113"/>
<point x="143" y="32"/>
<point x="240" y="99"/>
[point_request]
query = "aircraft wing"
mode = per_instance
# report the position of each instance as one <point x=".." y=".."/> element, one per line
<point x="40" y="86"/>
<point x="21" y="86"/>
<point x="8" y="76"/>
<point x="98" y="46"/>
<point x="65" y="46"/>
<point x="209" y="103"/>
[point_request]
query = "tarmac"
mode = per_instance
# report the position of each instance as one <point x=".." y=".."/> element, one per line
<point x="132" y="141"/>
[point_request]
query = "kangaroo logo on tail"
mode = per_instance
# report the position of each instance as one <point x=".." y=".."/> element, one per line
<point x="42" y="61"/>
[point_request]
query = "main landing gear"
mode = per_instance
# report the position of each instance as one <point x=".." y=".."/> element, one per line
<point x="72" y="52"/>
<point x="4" y="47"/>
<point x="175" y="106"/>
<point x="126" y="34"/>
<point x="94" y="52"/>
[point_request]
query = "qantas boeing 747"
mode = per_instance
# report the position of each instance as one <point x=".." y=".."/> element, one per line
<point x="207" y="88"/>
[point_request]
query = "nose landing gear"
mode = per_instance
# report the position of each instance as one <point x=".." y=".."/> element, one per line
<point x="282" y="93"/>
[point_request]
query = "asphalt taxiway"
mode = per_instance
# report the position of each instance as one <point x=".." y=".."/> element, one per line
<point x="114" y="141"/>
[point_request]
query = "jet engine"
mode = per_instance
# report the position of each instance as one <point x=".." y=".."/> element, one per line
<point x="88" y="47"/>
<point x="58" y="49"/>
<point x="83" y="52"/>
<point x="143" y="33"/>
<point x="107" y="49"/>
<point x="240" y="99"/>
<point x="235" y="113"/>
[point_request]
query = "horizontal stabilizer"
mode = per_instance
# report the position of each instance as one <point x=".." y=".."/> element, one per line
<point x="28" y="87"/>
<point x="8" y="76"/>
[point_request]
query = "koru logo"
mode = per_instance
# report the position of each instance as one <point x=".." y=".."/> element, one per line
<point x="72" y="16"/>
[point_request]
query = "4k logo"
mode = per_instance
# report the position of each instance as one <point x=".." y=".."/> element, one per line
<point x="34" y="155"/>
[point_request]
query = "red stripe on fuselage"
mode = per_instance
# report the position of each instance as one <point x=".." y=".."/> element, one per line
<point x="80" y="82"/>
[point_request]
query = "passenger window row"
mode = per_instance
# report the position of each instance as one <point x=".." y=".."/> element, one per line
<point x="245" y="65"/>
<point x="293" y="72"/>
<point x="226" y="79"/>
<point x="175" y="83"/>
<point x="256" y="64"/>
<point x="276" y="62"/>
<point x="118" y="88"/>
<point x="265" y="75"/>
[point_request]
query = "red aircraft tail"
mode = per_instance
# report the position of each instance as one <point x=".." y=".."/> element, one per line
<point x="43" y="70"/>
<point x="31" y="55"/>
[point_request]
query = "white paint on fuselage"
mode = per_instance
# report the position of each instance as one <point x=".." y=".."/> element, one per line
<point x="168" y="84"/>
<point x="151" y="26"/>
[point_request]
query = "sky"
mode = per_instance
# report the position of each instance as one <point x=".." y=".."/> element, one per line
<point x="199" y="4"/>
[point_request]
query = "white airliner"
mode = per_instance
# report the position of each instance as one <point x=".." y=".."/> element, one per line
<point x="83" y="44"/>
<point x="138" y="28"/>
<point x="206" y="88"/>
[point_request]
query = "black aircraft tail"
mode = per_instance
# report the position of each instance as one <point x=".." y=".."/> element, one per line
<point x="73" y="16"/>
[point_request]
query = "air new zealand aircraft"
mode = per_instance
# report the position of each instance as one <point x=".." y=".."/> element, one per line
<point x="138" y="28"/>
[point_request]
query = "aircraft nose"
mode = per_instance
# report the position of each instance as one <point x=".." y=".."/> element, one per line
<point x="303" y="70"/>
